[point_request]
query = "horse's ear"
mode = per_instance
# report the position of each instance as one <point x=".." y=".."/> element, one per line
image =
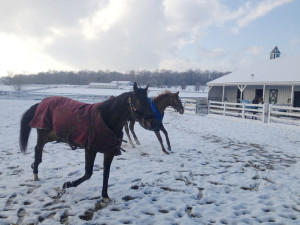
<point x="177" y="93"/>
<point x="135" y="88"/>
<point x="146" y="89"/>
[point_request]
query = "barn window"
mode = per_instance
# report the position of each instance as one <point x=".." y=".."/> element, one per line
<point x="273" y="96"/>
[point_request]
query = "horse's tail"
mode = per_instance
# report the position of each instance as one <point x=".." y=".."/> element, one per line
<point x="25" y="128"/>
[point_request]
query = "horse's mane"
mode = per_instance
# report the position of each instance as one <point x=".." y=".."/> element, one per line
<point x="113" y="98"/>
<point x="116" y="99"/>
<point x="157" y="98"/>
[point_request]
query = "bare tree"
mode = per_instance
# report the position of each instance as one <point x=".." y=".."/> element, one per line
<point x="16" y="81"/>
<point x="162" y="78"/>
<point x="183" y="85"/>
<point x="202" y="88"/>
<point x="10" y="74"/>
<point x="197" y="86"/>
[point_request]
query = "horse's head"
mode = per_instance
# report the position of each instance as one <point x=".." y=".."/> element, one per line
<point x="140" y="108"/>
<point x="176" y="103"/>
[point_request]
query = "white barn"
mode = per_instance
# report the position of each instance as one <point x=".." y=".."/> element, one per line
<point x="103" y="85"/>
<point x="122" y="83"/>
<point x="276" y="81"/>
<point x="112" y="85"/>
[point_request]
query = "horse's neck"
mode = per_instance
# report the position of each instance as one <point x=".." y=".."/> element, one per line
<point x="115" y="112"/>
<point x="162" y="102"/>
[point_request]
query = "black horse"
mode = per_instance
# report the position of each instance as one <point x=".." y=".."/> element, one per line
<point x="94" y="127"/>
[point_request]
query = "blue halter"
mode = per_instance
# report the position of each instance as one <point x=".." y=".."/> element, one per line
<point x="159" y="117"/>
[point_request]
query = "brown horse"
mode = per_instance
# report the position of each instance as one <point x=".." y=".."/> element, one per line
<point x="94" y="127"/>
<point x="159" y="104"/>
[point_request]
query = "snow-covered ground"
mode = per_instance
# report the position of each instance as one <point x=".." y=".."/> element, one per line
<point x="221" y="171"/>
<point x="86" y="90"/>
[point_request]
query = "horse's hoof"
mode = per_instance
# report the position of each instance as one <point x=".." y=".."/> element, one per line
<point x="166" y="152"/>
<point x="102" y="203"/>
<point x="68" y="184"/>
<point x="169" y="148"/>
<point x="106" y="200"/>
<point x="132" y="145"/>
<point x="138" y="143"/>
<point x="35" y="177"/>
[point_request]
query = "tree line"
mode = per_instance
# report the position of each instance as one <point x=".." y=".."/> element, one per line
<point x="159" y="78"/>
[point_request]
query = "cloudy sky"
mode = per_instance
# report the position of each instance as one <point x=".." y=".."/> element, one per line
<point x="122" y="35"/>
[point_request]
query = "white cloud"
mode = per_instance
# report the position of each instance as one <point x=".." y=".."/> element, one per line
<point x="188" y="21"/>
<point x="22" y="55"/>
<point x="120" y="34"/>
<point x="216" y="53"/>
<point x="294" y="41"/>
<point x="104" y="18"/>
<point x="254" y="50"/>
<point x="56" y="31"/>
<point x="254" y="12"/>
<point x="178" y="64"/>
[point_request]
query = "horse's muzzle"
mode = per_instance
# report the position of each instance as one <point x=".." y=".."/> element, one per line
<point x="149" y="124"/>
<point x="181" y="110"/>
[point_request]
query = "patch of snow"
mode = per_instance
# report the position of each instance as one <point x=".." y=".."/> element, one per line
<point x="221" y="170"/>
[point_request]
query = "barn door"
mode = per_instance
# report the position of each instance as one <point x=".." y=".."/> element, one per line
<point x="259" y="93"/>
<point x="296" y="99"/>
<point x="273" y="96"/>
<point x="238" y="96"/>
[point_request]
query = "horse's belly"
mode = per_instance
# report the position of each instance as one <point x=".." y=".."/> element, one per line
<point x="52" y="137"/>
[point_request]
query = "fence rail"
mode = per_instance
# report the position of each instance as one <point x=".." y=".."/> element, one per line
<point x="242" y="110"/>
<point x="42" y="95"/>
<point x="284" y="114"/>
<point x="267" y="113"/>
<point x="263" y="112"/>
<point x="195" y="105"/>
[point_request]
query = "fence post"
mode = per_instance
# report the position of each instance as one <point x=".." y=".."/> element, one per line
<point x="197" y="105"/>
<point x="269" y="116"/>
<point x="224" y="112"/>
<point x="243" y="112"/>
<point x="208" y="106"/>
<point x="265" y="112"/>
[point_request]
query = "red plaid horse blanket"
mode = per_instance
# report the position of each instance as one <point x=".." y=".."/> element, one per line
<point x="76" y="122"/>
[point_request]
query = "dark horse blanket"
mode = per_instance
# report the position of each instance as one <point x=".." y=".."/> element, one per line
<point x="159" y="117"/>
<point x="76" y="123"/>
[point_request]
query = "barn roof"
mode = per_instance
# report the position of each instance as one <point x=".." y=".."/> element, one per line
<point x="275" y="50"/>
<point x="279" y="71"/>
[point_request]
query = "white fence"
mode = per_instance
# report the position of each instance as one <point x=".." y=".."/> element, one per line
<point x="242" y="110"/>
<point x="284" y="114"/>
<point x="195" y="105"/>
<point x="264" y="112"/>
<point x="41" y="95"/>
<point x="189" y="104"/>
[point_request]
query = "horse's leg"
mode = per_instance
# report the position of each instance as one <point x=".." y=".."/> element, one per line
<point x="166" y="135"/>
<point x="38" y="151"/>
<point x="89" y="164"/>
<point x="131" y="127"/>
<point x="128" y="134"/>
<point x="108" y="158"/>
<point x="160" y="141"/>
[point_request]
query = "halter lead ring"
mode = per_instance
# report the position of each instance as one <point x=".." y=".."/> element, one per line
<point x="132" y="108"/>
